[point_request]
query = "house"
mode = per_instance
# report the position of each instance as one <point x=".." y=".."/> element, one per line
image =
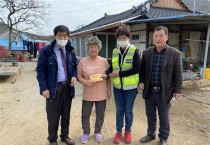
<point x="105" y="27"/>
<point x="187" y="29"/>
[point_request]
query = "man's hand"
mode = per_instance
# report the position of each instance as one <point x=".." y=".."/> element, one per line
<point x="46" y="94"/>
<point x="73" y="81"/>
<point x="89" y="83"/>
<point x="176" y="95"/>
<point x="141" y="86"/>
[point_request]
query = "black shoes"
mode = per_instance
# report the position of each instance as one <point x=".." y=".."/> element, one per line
<point x="68" y="141"/>
<point x="163" y="142"/>
<point x="147" y="138"/>
<point x="54" y="143"/>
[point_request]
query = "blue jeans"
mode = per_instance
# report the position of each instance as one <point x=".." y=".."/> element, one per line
<point x="124" y="100"/>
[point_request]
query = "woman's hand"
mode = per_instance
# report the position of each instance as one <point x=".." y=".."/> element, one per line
<point x="109" y="93"/>
<point x="115" y="74"/>
<point x="104" y="76"/>
<point x="89" y="83"/>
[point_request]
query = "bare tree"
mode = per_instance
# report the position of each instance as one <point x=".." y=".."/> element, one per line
<point x="22" y="15"/>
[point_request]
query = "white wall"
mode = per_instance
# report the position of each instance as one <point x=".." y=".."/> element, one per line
<point x="140" y="30"/>
<point x="173" y="39"/>
<point x="195" y="45"/>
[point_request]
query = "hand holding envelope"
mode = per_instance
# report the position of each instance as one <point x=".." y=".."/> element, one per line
<point x="96" y="77"/>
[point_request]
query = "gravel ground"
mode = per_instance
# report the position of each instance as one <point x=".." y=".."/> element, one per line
<point x="23" y="116"/>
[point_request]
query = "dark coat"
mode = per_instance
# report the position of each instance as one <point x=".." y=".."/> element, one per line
<point x="47" y="69"/>
<point x="171" y="73"/>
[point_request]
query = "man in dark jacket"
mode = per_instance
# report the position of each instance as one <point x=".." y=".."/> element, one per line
<point x="56" y="74"/>
<point x="161" y="81"/>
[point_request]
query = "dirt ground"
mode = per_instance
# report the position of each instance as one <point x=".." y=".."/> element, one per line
<point x="23" y="116"/>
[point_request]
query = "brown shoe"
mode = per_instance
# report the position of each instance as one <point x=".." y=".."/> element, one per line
<point x="53" y="143"/>
<point x="146" y="138"/>
<point x="68" y="141"/>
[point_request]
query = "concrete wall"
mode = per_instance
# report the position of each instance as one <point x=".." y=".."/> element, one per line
<point x="193" y="84"/>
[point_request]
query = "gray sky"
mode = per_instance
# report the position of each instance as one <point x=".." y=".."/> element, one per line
<point x="72" y="14"/>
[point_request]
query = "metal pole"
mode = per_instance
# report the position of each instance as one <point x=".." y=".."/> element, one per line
<point x="206" y="50"/>
<point x="194" y="8"/>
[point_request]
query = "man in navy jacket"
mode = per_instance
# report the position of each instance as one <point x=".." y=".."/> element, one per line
<point x="56" y="74"/>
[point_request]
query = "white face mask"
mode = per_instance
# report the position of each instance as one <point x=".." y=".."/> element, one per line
<point x="123" y="44"/>
<point x="61" y="43"/>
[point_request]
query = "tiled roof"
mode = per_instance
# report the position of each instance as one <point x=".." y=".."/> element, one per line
<point x="111" y="19"/>
<point x="154" y="12"/>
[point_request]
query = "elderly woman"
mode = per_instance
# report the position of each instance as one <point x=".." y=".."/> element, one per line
<point x="125" y="69"/>
<point x="96" y="88"/>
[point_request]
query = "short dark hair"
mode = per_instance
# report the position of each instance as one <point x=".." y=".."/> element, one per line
<point x="162" y="28"/>
<point x="61" y="28"/>
<point x="123" y="30"/>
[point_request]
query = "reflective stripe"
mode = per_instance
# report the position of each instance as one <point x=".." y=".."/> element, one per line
<point x="126" y="68"/>
<point x="118" y="87"/>
<point x="115" y="54"/>
<point x="130" y="87"/>
<point x="129" y="53"/>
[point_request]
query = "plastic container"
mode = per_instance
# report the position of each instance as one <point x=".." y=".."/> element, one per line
<point x="3" y="48"/>
<point x="16" y="55"/>
<point x="4" y="53"/>
<point x="207" y="73"/>
<point x="24" y="58"/>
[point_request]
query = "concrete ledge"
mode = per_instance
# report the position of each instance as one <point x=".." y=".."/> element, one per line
<point x="193" y="84"/>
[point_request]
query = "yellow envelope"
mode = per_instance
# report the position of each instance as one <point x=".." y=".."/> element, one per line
<point x="96" y="77"/>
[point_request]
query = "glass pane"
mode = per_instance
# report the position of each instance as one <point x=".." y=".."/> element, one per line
<point x="112" y="43"/>
<point x="102" y="37"/>
<point x="83" y="46"/>
<point x="77" y="46"/>
<point x="135" y="37"/>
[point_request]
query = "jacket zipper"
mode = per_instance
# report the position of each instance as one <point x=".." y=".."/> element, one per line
<point x="121" y="63"/>
<point x="56" y="77"/>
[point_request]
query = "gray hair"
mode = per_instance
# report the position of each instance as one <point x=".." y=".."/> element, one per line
<point x="93" y="40"/>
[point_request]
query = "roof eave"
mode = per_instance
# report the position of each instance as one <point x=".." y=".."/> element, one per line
<point x="103" y="27"/>
<point x="183" y="17"/>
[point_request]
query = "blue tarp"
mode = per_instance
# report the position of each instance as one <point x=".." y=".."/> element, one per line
<point x="15" y="46"/>
<point x="19" y="46"/>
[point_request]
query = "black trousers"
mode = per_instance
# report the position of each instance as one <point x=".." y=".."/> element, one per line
<point x="59" y="108"/>
<point x="153" y="103"/>
<point x="86" y="112"/>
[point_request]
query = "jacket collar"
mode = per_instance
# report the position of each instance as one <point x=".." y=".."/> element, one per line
<point x="126" y="49"/>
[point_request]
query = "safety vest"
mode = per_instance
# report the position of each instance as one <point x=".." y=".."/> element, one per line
<point x="129" y="82"/>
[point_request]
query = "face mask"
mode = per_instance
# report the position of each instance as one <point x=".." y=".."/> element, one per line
<point x="123" y="44"/>
<point x="61" y="43"/>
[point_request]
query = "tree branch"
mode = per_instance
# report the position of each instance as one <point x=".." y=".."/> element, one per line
<point x="22" y="15"/>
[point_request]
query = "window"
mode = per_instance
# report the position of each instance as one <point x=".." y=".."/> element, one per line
<point x="77" y="46"/>
<point x="135" y="37"/>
